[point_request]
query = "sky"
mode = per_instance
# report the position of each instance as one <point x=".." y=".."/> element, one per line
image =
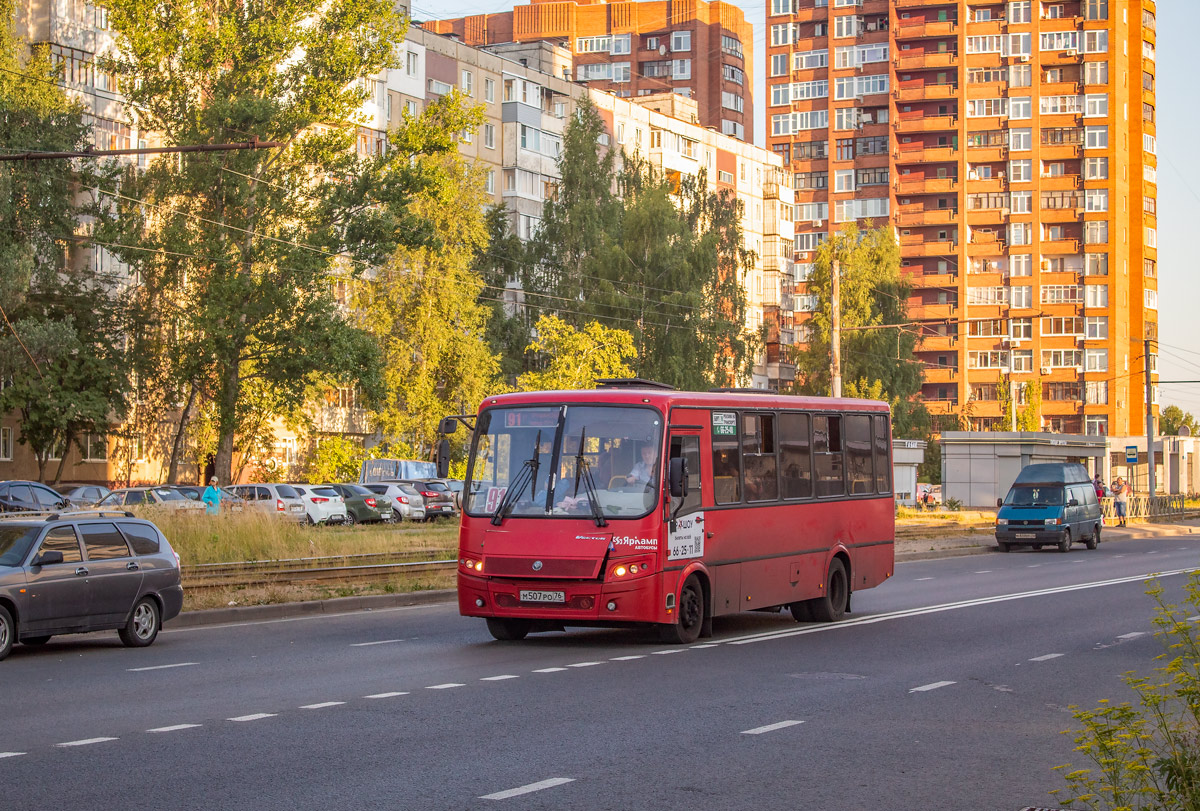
<point x="1178" y="177"/>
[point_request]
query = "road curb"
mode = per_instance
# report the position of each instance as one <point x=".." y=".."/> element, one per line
<point x="334" y="605"/>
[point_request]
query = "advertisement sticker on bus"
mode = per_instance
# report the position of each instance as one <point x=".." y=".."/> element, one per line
<point x="687" y="538"/>
<point x="724" y="423"/>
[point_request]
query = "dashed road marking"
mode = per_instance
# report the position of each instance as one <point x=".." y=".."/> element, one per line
<point x="174" y="728"/>
<point x="924" y="688"/>
<point x="1046" y="657"/>
<point x="550" y="670"/>
<point x="529" y="789"/>
<point x="771" y="727"/>
<point x="1133" y="635"/>
<point x="159" y="667"/>
<point x="627" y="658"/>
<point x="85" y="742"/>
<point x="585" y="664"/>
<point x="385" y="695"/>
<point x="666" y="652"/>
<point x="445" y="686"/>
<point x="984" y="571"/>
<point x="10" y="754"/>
<point x="258" y="716"/>
<point x="369" y="644"/>
<point x="499" y="678"/>
<point x="1033" y="566"/>
<point x="919" y="579"/>
<point x="321" y="705"/>
<point x="702" y="647"/>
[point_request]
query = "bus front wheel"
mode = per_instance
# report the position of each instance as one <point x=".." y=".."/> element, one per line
<point x="832" y="606"/>
<point x="508" y="630"/>
<point x="689" y="615"/>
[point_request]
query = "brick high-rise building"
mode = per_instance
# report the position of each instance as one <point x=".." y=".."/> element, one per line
<point x="703" y="50"/>
<point x="1012" y="145"/>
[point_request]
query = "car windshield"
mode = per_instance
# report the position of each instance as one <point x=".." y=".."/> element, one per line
<point x="435" y="487"/>
<point x="1035" y="496"/>
<point x="621" y="452"/>
<point x="15" y="543"/>
<point x="327" y="492"/>
<point x="358" y="490"/>
<point x="286" y="491"/>
<point x="167" y="494"/>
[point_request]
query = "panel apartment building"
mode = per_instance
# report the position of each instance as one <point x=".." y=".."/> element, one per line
<point x="703" y="50"/>
<point x="1012" y="145"/>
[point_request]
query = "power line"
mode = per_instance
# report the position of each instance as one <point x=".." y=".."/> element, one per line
<point x="253" y="143"/>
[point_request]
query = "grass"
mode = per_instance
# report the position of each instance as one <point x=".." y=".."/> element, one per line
<point x="255" y="536"/>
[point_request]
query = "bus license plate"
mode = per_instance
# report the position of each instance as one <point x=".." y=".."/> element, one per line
<point x="1026" y="535"/>
<point x="543" y="596"/>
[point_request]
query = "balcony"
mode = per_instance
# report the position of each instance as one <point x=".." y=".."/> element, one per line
<point x="924" y="3"/>
<point x="919" y="153"/>
<point x="923" y="29"/>
<point x="1056" y="246"/>
<point x="934" y="59"/>
<point x="987" y="216"/>
<point x="933" y="281"/>
<point x="938" y="343"/>
<point x="1060" y="151"/>
<point x="940" y="374"/>
<point x="919" y="247"/>
<point x="919" y="123"/>
<point x="932" y="185"/>
<point x="1068" y="57"/>
<point x="993" y="185"/>
<point x="922" y="92"/>
<point x="986" y="243"/>
<point x="916" y="214"/>
<point x="1060" y="182"/>
<point x="987" y="154"/>
<point x="1056" y="215"/>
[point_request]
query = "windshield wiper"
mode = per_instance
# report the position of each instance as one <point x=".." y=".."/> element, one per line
<point x="583" y="471"/>
<point x="529" y="470"/>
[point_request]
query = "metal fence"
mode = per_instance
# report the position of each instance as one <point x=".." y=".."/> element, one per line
<point x="1146" y="508"/>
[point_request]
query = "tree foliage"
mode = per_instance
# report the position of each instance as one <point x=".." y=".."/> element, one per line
<point x="1173" y="418"/>
<point x="334" y="459"/>
<point x="576" y="358"/>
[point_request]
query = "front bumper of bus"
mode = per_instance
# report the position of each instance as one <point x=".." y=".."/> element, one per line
<point x="640" y="599"/>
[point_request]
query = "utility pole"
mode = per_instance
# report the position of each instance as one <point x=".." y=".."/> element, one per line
<point x="1149" y="420"/>
<point x="835" y="329"/>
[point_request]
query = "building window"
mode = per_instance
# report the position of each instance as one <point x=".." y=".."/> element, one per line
<point x="1095" y="73"/>
<point x="1095" y="264"/>
<point x="1095" y="137"/>
<point x="1095" y="42"/>
<point x="1020" y="329"/>
<point x="1095" y="295"/>
<point x="489" y="183"/>
<point x="681" y="40"/>
<point x="467" y="85"/>
<point x="1020" y="171"/>
<point x="681" y="68"/>
<point x="1022" y="202"/>
<point x="489" y="90"/>
<point x="1095" y="360"/>
<point x="6" y="444"/>
<point x="489" y="136"/>
<point x="1022" y="296"/>
<point x="779" y="65"/>
<point x="622" y="44"/>
<point x="1096" y="105"/>
<point x="1021" y="265"/>
<point x="1096" y="327"/>
<point x="1095" y="232"/>
<point x="1095" y="168"/>
<point x="1151" y="299"/>
<point x="96" y="448"/>
<point x="1096" y="199"/>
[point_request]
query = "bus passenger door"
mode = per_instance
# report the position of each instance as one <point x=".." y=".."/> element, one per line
<point x="685" y="519"/>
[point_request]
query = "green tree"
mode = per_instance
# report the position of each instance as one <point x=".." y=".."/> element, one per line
<point x="1029" y="417"/>
<point x="334" y="459"/>
<point x="575" y="358"/>
<point x="240" y="246"/>
<point x="1173" y="418"/>
<point x="423" y="310"/>
<point x="503" y="264"/>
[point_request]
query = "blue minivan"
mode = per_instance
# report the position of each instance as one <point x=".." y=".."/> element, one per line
<point x="1049" y="504"/>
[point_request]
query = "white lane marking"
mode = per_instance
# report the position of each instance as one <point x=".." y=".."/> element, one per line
<point x="550" y="670"/>
<point x="385" y="695"/>
<point x="499" y="678"/>
<point x="158" y="667"/>
<point x="174" y="728"/>
<point x="770" y="727"/>
<point x="1152" y="552"/>
<point x="322" y="705"/>
<point x="85" y="742"/>
<point x="1118" y="556"/>
<point x="984" y="571"/>
<point x="258" y="716"/>
<point x="1046" y="657"/>
<point x="919" y="579"/>
<point x="702" y="647"/>
<point x="1194" y="618"/>
<point x="445" y="686"/>
<point x="585" y="664"/>
<point x="666" y="652"/>
<point x="627" y="658"/>
<point x="936" y="609"/>
<point x="369" y="644"/>
<point x="1133" y="635"/>
<point x="924" y="688"/>
<point x="1033" y="566"/>
<point x="10" y="754"/>
<point x="529" y="789"/>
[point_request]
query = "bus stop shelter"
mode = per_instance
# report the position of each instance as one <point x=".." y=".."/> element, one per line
<point x="978" y="467"/>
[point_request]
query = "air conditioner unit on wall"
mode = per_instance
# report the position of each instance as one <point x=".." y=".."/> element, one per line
<point x="1046" y="370"/>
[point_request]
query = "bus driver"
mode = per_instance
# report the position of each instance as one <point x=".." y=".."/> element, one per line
<point x="643" y="471"/>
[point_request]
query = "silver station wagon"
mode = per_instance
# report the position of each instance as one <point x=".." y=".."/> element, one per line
<point x="86" y="571"/>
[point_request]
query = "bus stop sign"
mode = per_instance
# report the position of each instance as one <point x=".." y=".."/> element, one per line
<point x="1131" y="454"/>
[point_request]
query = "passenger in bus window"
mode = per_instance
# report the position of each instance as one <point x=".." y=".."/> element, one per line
<point x="643" y="471"/>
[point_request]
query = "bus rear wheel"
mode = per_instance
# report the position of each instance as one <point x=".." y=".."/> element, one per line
<point x="832" y="607"/>
<point x="689" y="615"/>
<point x="508" y="630"/>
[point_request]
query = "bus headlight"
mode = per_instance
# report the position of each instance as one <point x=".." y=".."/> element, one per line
<point x="619" y="571"/>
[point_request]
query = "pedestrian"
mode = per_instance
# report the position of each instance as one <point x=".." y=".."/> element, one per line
<point x="212" y="497"/>
<point x="1120" y="490"/>
<point x="927" y="498"/>
<point x="1099" y="485"/>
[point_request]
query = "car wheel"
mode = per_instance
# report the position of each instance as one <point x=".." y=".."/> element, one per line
<point x="832" y="606"/>
<point x="308" y="520"/>
<point x="508" y="630"/>
<point x="143" y="625"/>
<point x="1003" y="547"/>
<point x="689" y="615"/>
<point x="1065" y="544"/>
<point x="8" y="632"/>
<point x="35" y="640"/>
<point x="350" y="521"/>
<point x="1094" y="541"/>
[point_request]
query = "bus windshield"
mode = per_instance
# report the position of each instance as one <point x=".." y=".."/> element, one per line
<point x="621" y="449"/>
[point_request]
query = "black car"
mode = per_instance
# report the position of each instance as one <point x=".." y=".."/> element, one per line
<point x="84" y="495"/>
<point x="85" y="571"/>
<point x="26" y="496"/>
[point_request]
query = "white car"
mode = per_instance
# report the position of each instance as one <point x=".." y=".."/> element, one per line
<point x="274" y="499"/>
<point x="322" y="505"/>
<point x="406" y="500"/>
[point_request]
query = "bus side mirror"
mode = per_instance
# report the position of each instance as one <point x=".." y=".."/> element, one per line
<point x="999" y="502"/>
<point x="447" y="426"/>
<point x="678" y="478"/>
<point x="443" y="458"/>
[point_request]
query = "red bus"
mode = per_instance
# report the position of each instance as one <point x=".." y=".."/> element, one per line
<point x="635" y="503"/>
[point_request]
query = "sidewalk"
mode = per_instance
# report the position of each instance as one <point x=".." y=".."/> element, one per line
<point x="906" y="550"/>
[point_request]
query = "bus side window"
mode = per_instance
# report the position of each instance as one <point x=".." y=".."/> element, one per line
<point x="688" y="447"/>
<point x="858" y="454"/>
<point x="758" y="457"/>
<point x="795" y="455"/>
<point x="827" y="447"/>
<point x="883" y="462"/>
<point x="727" y="474"/>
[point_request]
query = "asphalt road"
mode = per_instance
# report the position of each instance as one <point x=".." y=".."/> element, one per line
<point x="947" y="688"/>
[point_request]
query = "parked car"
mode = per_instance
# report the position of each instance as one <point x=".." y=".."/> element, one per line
<point x="277" y="499"/>
<point x="1049" y="505"/>
<point x="439" y="498"/>
<point x="168" y="498"/>
<point x="84" y="495"/>
<point x="405" y="499"/>
<point x="85" y="571"/>
<point x="322" y="505"/>
<point x="30" y="496"/>
<point x="229" y="501"/>
<point x="362" y="506"/>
